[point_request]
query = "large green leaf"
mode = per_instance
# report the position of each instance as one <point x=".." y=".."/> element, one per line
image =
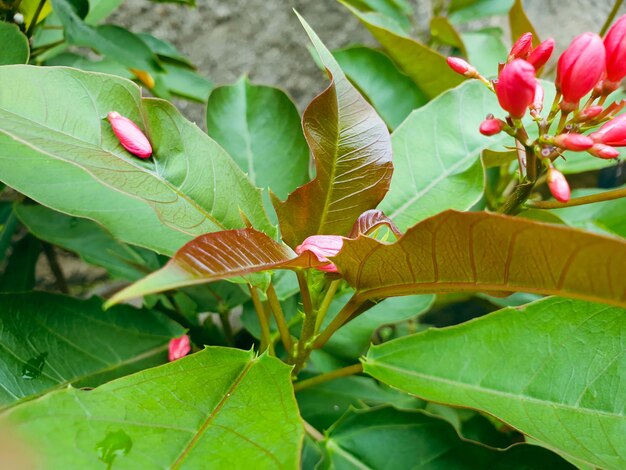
<point x="352" y="151"/>
<point x="260" y="128"/>
<point x="219" y="408"/>
<point x="436" y="154"/>
<point x="57" y="148"/>
<point x="14" y="45"/>
<point x="479" y="251"/>
<point x="391" y="92"/>
<point x="397" y="12"/>
<point x="560" y="383"/>
<point x="87" y="239"/>
<point x="426" y="67"/>
<point x="468" y="11"/>
<point x="50" y="341"/>
<point x="391" y="438"/>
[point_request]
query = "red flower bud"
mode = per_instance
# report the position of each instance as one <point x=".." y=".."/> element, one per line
<point x="522" y="47"/>
<point x="612" y="133"/>
<point x="589" y="113"/>
<point x="615" y="45"/>
<point x="516" y="87"/>
<point x="322" y="246"/>
<point x="603" y="151"/>
<point x="179" y="347"/>
<point x="491" y="126"/>
<point x="130" y="136"/>
<point x="460" y="66"/>
<point x="541" y="54"/>
<point x="558" y="185"/>
<point x="537" y="104"/>
<point x="575" y="142"/>
<point x="580" y="68"/>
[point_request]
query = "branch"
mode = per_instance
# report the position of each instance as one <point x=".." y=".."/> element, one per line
<point x="578" y="201"/>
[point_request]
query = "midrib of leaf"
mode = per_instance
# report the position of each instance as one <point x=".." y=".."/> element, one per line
<point x="194" y="440"/>
<point x="166" y="183"/>
<point x="249" y="155"/>
<point x="111" y="367"/>
<point x="347" y="455"/>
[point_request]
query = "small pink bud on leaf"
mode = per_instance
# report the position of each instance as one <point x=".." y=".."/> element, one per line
<point x="491" y="126"/>
<point x="580" y="68"/>
<point x="575" y="142"/>
<point x="612" y="133"/>
<point x="515" y="88"/>
<point x="129" y="135"/>
<point x="615" y="46"/>
<point x="522" y="47"/>
<point x="179" y="347"/>
<point x="558" y="185"/>
<point x="322" y="246"/>
<point x="541" y="54"/>
<point x="461" y="66"/>
<point x="605" y="152"/>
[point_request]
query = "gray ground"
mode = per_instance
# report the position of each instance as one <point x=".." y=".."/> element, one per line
<point x="263" y="38"/>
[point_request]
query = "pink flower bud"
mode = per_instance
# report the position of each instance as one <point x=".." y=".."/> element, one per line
<point x="541" y="54"/>
<point x="575" y="142"/>
<point x="615" y="45"/>
<point x="322" y="246"/>
<point x="537" y="104"/>
<point x="589" y="113"/>
<point x="462" y="67"/>
<point x="179" y="347"/>
<point x="580" y="68"/>
<point x="491" y="126"/>
<point x="130" y="136"/>
<point x="612" y="133"/>
<point x="522" y="47"/>
<point x="516" y="87"/>
<point x="558" y="185"/>
<point x="603" y="151"/>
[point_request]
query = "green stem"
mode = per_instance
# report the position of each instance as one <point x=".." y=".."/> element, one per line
<point x="307" y="304"/>
<point x="328" y="298"/>
<point x="283" y="328"/>
<point x="55" y="267"/>
<point x="228" y="329"/>
<point x="266" y="338"/>
<point x="579" y="201"/>
<point x="518" y="197"/>
<point x="33" y="22"/>
<point x="335" y="374"/>
<point x="611" y="17"/>
<point x="342" y="317"/>
<point x="311" y="431"/>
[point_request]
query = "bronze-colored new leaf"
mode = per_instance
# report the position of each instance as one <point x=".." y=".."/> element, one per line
<point x="370" y="220"/>
<point x="352" y="151"/>
<point x="215" y="256"/>
<point x="478" y="251"/>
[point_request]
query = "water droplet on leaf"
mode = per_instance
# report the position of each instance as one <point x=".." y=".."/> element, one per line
<point x="116" y="443"/>
<point x="34" y="366"/>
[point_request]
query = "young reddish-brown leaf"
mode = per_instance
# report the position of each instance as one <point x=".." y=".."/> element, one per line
<point x="215" y="256"/>
<point x="478" y="251"/>
<point x="352" y="151"/>
<point x="369" y="220"/>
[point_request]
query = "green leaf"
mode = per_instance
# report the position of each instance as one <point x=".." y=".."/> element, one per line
<point x="353" y="339"/>
<point x="19" y="271"/>
<point x="109" y="40"/>
<point x="436" y="154"/>
<point x="479" y="9"/>
<point x="391" y="92"/>
<point x="14" y="45"/>
<point x="100" y="10"/>
<point x="484" y="252"/>
<point x="220" y="406"/>
<point x="396" y="11"/>
<point x="216" y="256"/>
<point x="352" y="151"/>
<point x="425" y="66"/>
<point x="323" y="404"/>
<point x="8" y="225"/>
<point x="182" y="81"/>
<point x="190" y="186"/>
<point x="520" y="24"/>
<point x="87" y="239"/>
<point x="560" y="382"/>
<point x="259" y="126"/>
<point x="485" y="50"/>
<point x="105" y="65"/>
<point x="391" y="438"/>
<point x="50" y="341"/>
<point x="164" y="49"/>
<point x="443" y="31"/>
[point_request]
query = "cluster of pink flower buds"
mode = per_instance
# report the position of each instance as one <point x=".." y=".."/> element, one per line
<point x="322" y="246"/>
<point x="589" y="64"/>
